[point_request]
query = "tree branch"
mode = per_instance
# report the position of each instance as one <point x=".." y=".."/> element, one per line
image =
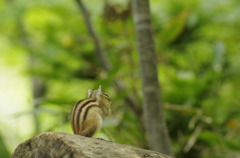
<point x="99" y="50"/>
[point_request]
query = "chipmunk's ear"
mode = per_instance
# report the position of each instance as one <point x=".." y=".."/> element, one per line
<point x="100" y="88"/>
<point x="90" y="93"/>
<point x="99" y="92"/>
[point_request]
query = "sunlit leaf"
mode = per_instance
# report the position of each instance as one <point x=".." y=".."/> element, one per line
<point x="174" y="28"/>
<point x="3" y="149"/>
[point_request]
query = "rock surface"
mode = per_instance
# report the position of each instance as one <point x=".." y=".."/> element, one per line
<point x="63" y="145"/>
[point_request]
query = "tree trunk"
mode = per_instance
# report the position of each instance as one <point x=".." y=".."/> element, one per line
<point x="54" y="145"/>
<point x="157" y="133"/>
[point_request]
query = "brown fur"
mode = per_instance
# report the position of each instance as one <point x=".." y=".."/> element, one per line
<point x="89" y="131"/>
<point x="87" y="115"/>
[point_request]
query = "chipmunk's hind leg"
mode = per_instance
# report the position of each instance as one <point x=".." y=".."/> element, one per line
<point x="89" y="128"/>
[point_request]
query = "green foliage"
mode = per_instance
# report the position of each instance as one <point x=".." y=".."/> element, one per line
<point x="4" y="152"/>
<point x="197" y="43"/>
<point x="174" y="28"/>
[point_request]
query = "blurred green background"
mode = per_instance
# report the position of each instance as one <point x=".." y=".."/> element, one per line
<point x="48" y="62"/>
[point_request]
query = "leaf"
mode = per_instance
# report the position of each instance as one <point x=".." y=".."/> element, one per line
<point x="3" y="150"/>
<point x="210" y="137"/>
<point x="215" y="139"/>
<point x="219" y="50"/>
<point x="232" y="145"/>
<point x="174" y="28"/>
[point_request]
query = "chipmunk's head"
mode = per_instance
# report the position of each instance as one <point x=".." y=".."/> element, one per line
<point x="100" y="95"/>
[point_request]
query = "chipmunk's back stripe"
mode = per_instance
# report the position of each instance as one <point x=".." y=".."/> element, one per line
<point x="73" y="115"/>
<point x="79" y="111"/>
<point x="86" y="111"/>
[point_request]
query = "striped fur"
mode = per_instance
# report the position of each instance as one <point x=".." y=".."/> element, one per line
<point x="87" y="114"/>
<point x="79" y="113"/>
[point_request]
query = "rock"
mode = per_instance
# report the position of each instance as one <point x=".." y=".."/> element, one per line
<point x="63" y="145"/>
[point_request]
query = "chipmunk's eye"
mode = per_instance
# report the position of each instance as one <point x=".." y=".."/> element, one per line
<point x="106" y="96"/>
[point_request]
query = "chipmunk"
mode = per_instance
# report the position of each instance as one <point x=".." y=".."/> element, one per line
<point x="87" y="114"/>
